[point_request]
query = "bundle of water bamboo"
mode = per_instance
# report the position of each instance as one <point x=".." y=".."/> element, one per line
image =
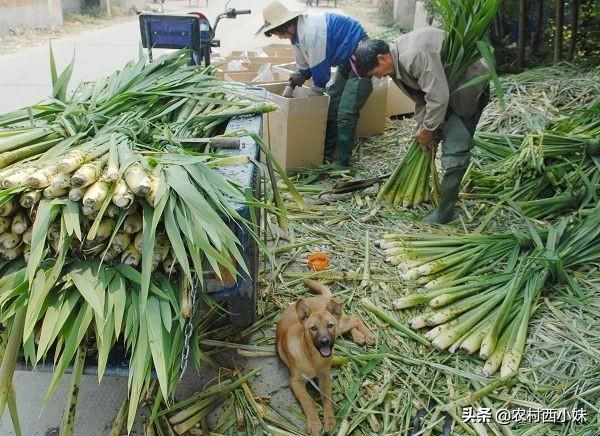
<point x="482" y="290"/>
<point x="107" y="221"/>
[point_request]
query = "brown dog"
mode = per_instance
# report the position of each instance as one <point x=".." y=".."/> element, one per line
<point x="305" y="336"/>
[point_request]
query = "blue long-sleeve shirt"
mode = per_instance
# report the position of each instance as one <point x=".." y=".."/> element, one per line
<point x="323" y="41"/>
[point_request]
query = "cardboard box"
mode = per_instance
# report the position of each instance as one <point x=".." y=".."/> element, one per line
<point x="249" y="77"/>
<point x="372" y="115"/>
<point x="222" y="71"/>
<point x="283" y="50"/>
<point x="254" y="64"/>
<point x="237" y="54"/>
<point x="296" y="130"/>
<point x="288" y="68"/>
<point x="398" y="103"/>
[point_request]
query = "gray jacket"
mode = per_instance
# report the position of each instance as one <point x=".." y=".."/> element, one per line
<point x="419" y="72"/>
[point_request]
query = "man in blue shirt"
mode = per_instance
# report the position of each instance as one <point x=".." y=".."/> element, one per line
<point x="321" y="41"/>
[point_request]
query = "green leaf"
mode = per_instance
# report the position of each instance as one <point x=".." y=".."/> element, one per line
<point x="38" y="293"/>
<point x="90" y="287"/>
<point x="60" y="85"/>
<point x="134" y="275"/>
<point x="117" y="287"/>
<point x="29" y="350"/>
<point x="151" y="218"/>
<point x="168" y="289"/>
<point x="10" y="282"/>
<point x="45" y="280"/>
<point x="70" y="216"/>
<point x="52" y="327"/>
<point x="139" y="367"/>
<point x="485" y="50"/>
<point x="46" y="213"/>
<point x="474" y="81"/>
<point x="53" y="73"/>
<point x="74" y="338"/>
<point x="175" y="238"/>
<point x="105" y="340"/>
<point x="152" y="317"/>
<point x="165" y="314"/>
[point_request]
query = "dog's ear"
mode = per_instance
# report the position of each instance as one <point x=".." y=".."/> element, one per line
<point x="336" y="308"/>
<point x="302" y="309"/>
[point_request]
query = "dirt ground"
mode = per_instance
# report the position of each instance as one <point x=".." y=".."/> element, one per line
<point x="373" y="20"/>
<point x="19" y="38"/>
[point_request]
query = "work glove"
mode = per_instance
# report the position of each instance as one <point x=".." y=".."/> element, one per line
<point x="428" y="139"/>
<point x="296" y="79"/>
<point x="315" y="91"/>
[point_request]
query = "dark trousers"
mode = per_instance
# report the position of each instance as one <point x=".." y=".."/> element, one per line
<point x="347" y="96"/>
<point x="457" y="136"/>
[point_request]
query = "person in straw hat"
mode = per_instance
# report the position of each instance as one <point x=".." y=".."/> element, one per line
<point x="321" y="41"/>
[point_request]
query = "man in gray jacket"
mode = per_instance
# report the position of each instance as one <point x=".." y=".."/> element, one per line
<point x="415" y="62"/>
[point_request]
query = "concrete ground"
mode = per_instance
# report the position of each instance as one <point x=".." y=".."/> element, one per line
<point x="25" y="75"/>
<point x="24" y="79"/>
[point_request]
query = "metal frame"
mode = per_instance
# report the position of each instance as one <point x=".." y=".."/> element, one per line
<point x="169" y="31"/>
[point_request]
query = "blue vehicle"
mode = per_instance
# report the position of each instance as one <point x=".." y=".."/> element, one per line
<point x="176" y="31"/>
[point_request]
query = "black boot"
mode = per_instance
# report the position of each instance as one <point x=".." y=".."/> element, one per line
<point x="345" y="144"/>
<point x="450" y="188"/>
<point x="330" y="141"/>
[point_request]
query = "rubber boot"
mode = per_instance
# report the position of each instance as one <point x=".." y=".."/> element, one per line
<point x="330" y="141"/>
<point x="345" y="144"/>
<point x="450" y="187"/>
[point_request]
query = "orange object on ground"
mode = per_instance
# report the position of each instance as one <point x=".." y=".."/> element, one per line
<point x="318" y="261"/>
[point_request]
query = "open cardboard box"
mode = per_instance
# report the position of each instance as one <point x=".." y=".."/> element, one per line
<point x="254" y="64"/>
<point x="222" y="71"/>
<point x="296" y="130"/>
<point x="288" y="68"/>
<point x="398" y="103"/>
<point x="249" y="78"/>
<point x="373" y="114"/>
<point x="281" y="50"/>
<point x="240" y="54"/>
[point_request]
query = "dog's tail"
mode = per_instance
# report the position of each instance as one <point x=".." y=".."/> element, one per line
<point x="318" y="288"/>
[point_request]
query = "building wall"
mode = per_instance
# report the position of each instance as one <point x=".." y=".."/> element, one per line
<point x="30" y="13"/>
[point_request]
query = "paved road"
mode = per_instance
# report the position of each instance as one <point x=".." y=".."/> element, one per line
<point x="25" y="75"/>
<point x="25" y="79"/>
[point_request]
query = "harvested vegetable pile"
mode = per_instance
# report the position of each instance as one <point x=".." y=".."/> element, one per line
<point x="482" y="290"/>
<point x="542" y="276"/>
<point x="109" y="224"/>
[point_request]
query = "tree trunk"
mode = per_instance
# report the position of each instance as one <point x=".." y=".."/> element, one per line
<point x="586" y="45"/>
<point x="522" y="33"/>
<point x="536" y="38"/>
<point x="501" y="24"/>
<point x="498" y="26"/>
<point x="574" y="19"/>
<point x="558" y="32"/>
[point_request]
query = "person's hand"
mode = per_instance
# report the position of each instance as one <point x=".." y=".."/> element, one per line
<point x="315" y="91"/>
<point x="296" y="79"/>
<point x="428" y="139"/>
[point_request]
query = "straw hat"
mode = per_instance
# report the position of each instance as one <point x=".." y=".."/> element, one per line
<point x="275" y="15"/>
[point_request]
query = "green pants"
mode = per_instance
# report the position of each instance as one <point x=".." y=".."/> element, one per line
<point x="457" y="136"/>
<point x="347" y="95"/>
